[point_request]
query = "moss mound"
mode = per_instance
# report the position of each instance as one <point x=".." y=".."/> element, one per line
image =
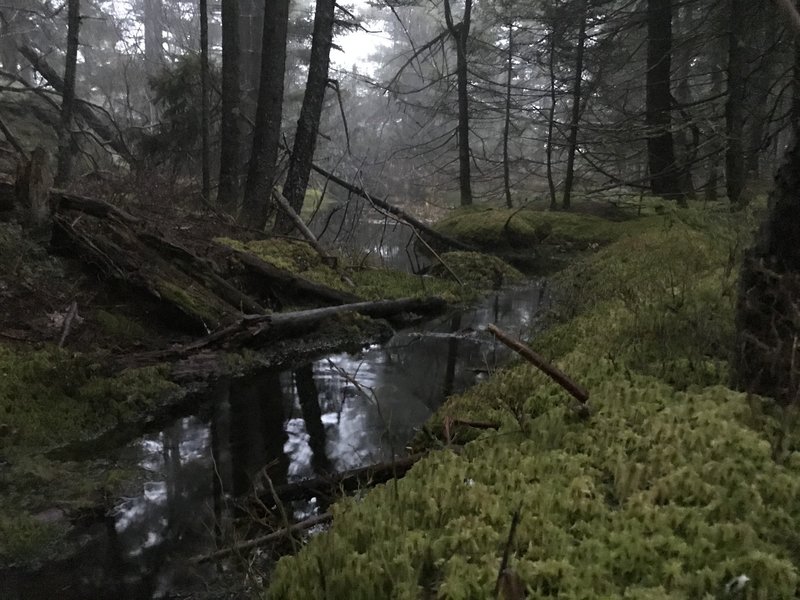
<point x="504" y="229"/>
<point x="673" y="487"/>
<point x="478" y="270"/>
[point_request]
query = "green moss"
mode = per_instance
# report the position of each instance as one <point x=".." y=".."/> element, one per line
<point x="121" y="327"/>
<point x="481" y="271"/>
<point x="195" y="301"/>
<point x="48" y="398"/>
<point x="496" y="229"/>
<point x="669" y="490"/>
<point x="370" y="283"/>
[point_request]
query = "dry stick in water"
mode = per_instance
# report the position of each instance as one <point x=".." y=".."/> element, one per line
<point x="265" y="539"/>
<point x="561" y="378"/>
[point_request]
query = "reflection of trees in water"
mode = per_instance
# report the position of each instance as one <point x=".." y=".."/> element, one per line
<point x="257" y="433"/>
<point x="309" y="398"/>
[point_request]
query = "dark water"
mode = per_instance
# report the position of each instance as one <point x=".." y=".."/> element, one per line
<point x="336" y="413"/>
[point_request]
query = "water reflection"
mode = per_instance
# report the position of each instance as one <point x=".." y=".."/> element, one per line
<point x="334" y="414"/>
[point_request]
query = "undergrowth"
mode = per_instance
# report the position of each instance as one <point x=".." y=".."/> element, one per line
<point x="674" y="486"/>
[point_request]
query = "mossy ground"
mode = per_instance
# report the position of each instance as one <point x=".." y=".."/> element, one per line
<point x="476" y="272"/>
<point x="673" y="486"/>
<point x="50" y="397"/>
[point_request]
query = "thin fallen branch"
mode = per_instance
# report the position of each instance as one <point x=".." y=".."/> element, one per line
<point x="283" y="203"/>
<point x="68" y="319"/>
<point x="506" y="552"/>
<point x="264" y="539"/>
<point x="561" y="378"/>
<point x="422" y="241"/>
<point x="410" y="219"/>
<point x="347" y="481"/>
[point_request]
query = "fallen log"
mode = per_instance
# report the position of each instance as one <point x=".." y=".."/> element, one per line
<point x="253" y="331"/>
<point x="63" y="200"/>
<point x="117" y="251"/>
<point x="561" y="378"/>
<point x="347" y="481"/>
<point x="264" y="539"/>
<point x="260" y="270"/>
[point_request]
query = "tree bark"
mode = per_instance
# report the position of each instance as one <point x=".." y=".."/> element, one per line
<point x="507" y="124"/>
<point x="32" y="188"/>
<point x="66" y="145"/>
<point x="734" y="106"/>
<point x="205" y="118"/>
<point x="765" y="357"/>
<point x="228" y="191"/>
<point x="305" y="138"/>
<point x="460" y="35"/>
<point x="266" y="135"/>
<point x="572" y="143"/>
<point x="658" y="102"/>
<point x="551" y="184"/>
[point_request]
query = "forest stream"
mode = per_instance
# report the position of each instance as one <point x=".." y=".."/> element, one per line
<point x="338" y="412"/>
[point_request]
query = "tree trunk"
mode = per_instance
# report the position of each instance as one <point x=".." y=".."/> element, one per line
<point x="550" y="122"/>
<point x="734" y="106"/>
<point x="460" y="34"/>
<point x="228" y="192"/>
<point x="83" y="109"/>
<point x="658" y="101"/>
<point x="32" y="188"/>
<point x="66" y="145"/>
<point x="153" y="45"/>
<point x="572" y="143"/>
<point x="266" y="135"/>
<point x="305" y="138"/>
<point x="204" y="101"/>
<point x="715" y="151"/>
<point x="507" y="124"/>
<point x="767" y="343"/>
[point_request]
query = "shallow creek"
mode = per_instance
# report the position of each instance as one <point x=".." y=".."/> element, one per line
<point x="336" y="413"/>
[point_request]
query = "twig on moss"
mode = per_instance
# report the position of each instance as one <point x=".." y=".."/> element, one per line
<point x="561" y="378"/>
<point x="507" y="551"/>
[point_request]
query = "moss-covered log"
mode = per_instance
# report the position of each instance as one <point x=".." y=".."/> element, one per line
<point x="116" y="250"/>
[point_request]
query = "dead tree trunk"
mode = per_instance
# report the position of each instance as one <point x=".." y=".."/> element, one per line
<point x="735" y="104"/>
<point x="32" y="188"/>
